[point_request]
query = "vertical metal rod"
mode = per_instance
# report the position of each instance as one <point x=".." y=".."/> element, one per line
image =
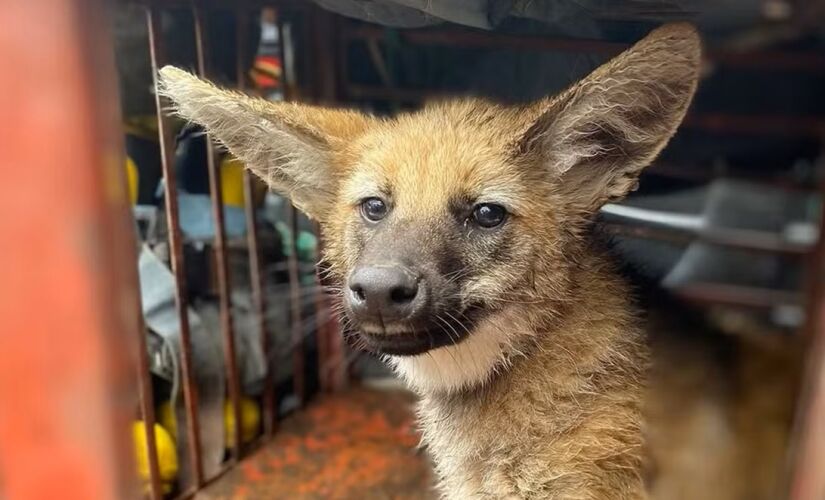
<point x="324" y="30"/>
<point x="287" y="54"/>
<point x="270" y="416"/>
<point x="331" y="73"/>
<point x="330" y="348"/>
<point x="322" y="330"/>
<point x="296" y="323"/>
<point x="147" y="406"/>
<point x="808" y="450"/>
<point x="222" y="267"/>
<point x="190" y="395"/>
<point x="325" y="363"/>
<point x="339" y="371"/>
<point x="298" y="362"/>
<point x="146" y="399"/>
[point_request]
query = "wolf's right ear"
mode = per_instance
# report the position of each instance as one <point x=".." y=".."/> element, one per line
<point x="290" y="146"/>
<point x="596" y="137"/>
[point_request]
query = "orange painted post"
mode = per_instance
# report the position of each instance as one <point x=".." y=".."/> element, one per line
<point x="68" y="315"/>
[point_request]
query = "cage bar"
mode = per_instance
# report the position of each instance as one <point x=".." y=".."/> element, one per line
<point x="808" y="448"/>
<point x="321" y="328"/>
<point x="147" y="406"/>
<point x="270" y="415"/>
<point x="767" y="60"/>
<point x="296" y="322"/>
<point x="157" y="54"/>
<point x="222" y="267"/>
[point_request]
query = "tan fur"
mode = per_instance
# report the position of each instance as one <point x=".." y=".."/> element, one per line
<point x="560" y="422"/>
<point x="719" y="411"/>
<point x="544" y="399"/>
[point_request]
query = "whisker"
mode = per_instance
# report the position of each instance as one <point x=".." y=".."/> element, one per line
<point x="467" y="330"/>
<point x="457" y="336"/>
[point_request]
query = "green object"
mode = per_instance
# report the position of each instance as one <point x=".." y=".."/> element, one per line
<point x="306" y="243"/>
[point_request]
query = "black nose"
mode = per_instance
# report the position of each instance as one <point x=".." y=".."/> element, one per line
<point x="385" y="292"/>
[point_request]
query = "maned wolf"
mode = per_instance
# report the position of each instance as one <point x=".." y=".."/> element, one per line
<point x="460" y="238"/>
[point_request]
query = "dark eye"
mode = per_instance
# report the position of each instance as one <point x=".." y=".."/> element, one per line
<point x="374" y="209"/>
<point x="489" y="215"/>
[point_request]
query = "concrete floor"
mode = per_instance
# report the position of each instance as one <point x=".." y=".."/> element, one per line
<point x="360" y="444"/>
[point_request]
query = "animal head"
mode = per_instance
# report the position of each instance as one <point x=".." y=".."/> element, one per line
<point x="440" y="218"/>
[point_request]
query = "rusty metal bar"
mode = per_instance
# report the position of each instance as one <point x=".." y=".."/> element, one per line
<point x="742" y="239"/>
<point x="68" y="315"/>
<point x="296" y="323"/>
<point x="324" y="31"/>
<point x="768" y="60"/>
<point x="287" y="55"/>
<point x="190" y="395"/>
<point x="706" y="173"/>
<point x="337" y="362"/>
<point x="147" y="406"/>
<point x="270" y="415"/>
<point x="222" y="266"/>
<point x="323" y="45"/>
<point x="736" y="295"/>
<point x="478" y="39"/>
<point x="397" y="94"/>
<point x="324" y="93"/>
<point x="808" y="446"/>
<point x="326" y="46"/>
<point x="334" y="363"/>
<point x="760" y="125"/>
<point x="322" y="330"/>
<point x="721" y="123"/>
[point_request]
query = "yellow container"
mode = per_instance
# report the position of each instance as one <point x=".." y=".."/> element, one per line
<point x="166" y="452"/>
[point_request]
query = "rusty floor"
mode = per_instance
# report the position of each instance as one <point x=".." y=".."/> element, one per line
<point x="356" y="445"/>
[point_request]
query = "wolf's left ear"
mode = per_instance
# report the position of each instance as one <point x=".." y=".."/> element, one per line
<point x="293" y="147"/>
<point x="599" y="134"/>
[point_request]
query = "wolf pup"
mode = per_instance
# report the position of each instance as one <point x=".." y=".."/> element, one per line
<point x="460" y="238"/>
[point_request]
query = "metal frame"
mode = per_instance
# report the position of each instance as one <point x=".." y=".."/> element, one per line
<point x="270" y="413"/>
<point x="808" y="447"/>
<point x="176" y="251"/>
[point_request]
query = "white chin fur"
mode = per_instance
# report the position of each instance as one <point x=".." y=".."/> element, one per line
<point x="460" y="366"/>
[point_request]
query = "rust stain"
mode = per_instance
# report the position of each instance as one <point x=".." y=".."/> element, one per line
<point x="251" y="472"/>
<point x="358" y="444"/>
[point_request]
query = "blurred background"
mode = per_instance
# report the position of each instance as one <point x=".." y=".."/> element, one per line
<point x="167" y="333"/>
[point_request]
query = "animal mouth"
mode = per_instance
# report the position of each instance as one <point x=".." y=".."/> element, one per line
<point x="417" y="340"/>
<point x="410" y="343"/>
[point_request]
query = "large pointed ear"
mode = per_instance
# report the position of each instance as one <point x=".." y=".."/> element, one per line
<point x="598" y="135"/>
<point x="293" y="147"/>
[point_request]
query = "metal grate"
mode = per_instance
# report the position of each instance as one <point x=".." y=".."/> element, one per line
<point x="329" y="355"/>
